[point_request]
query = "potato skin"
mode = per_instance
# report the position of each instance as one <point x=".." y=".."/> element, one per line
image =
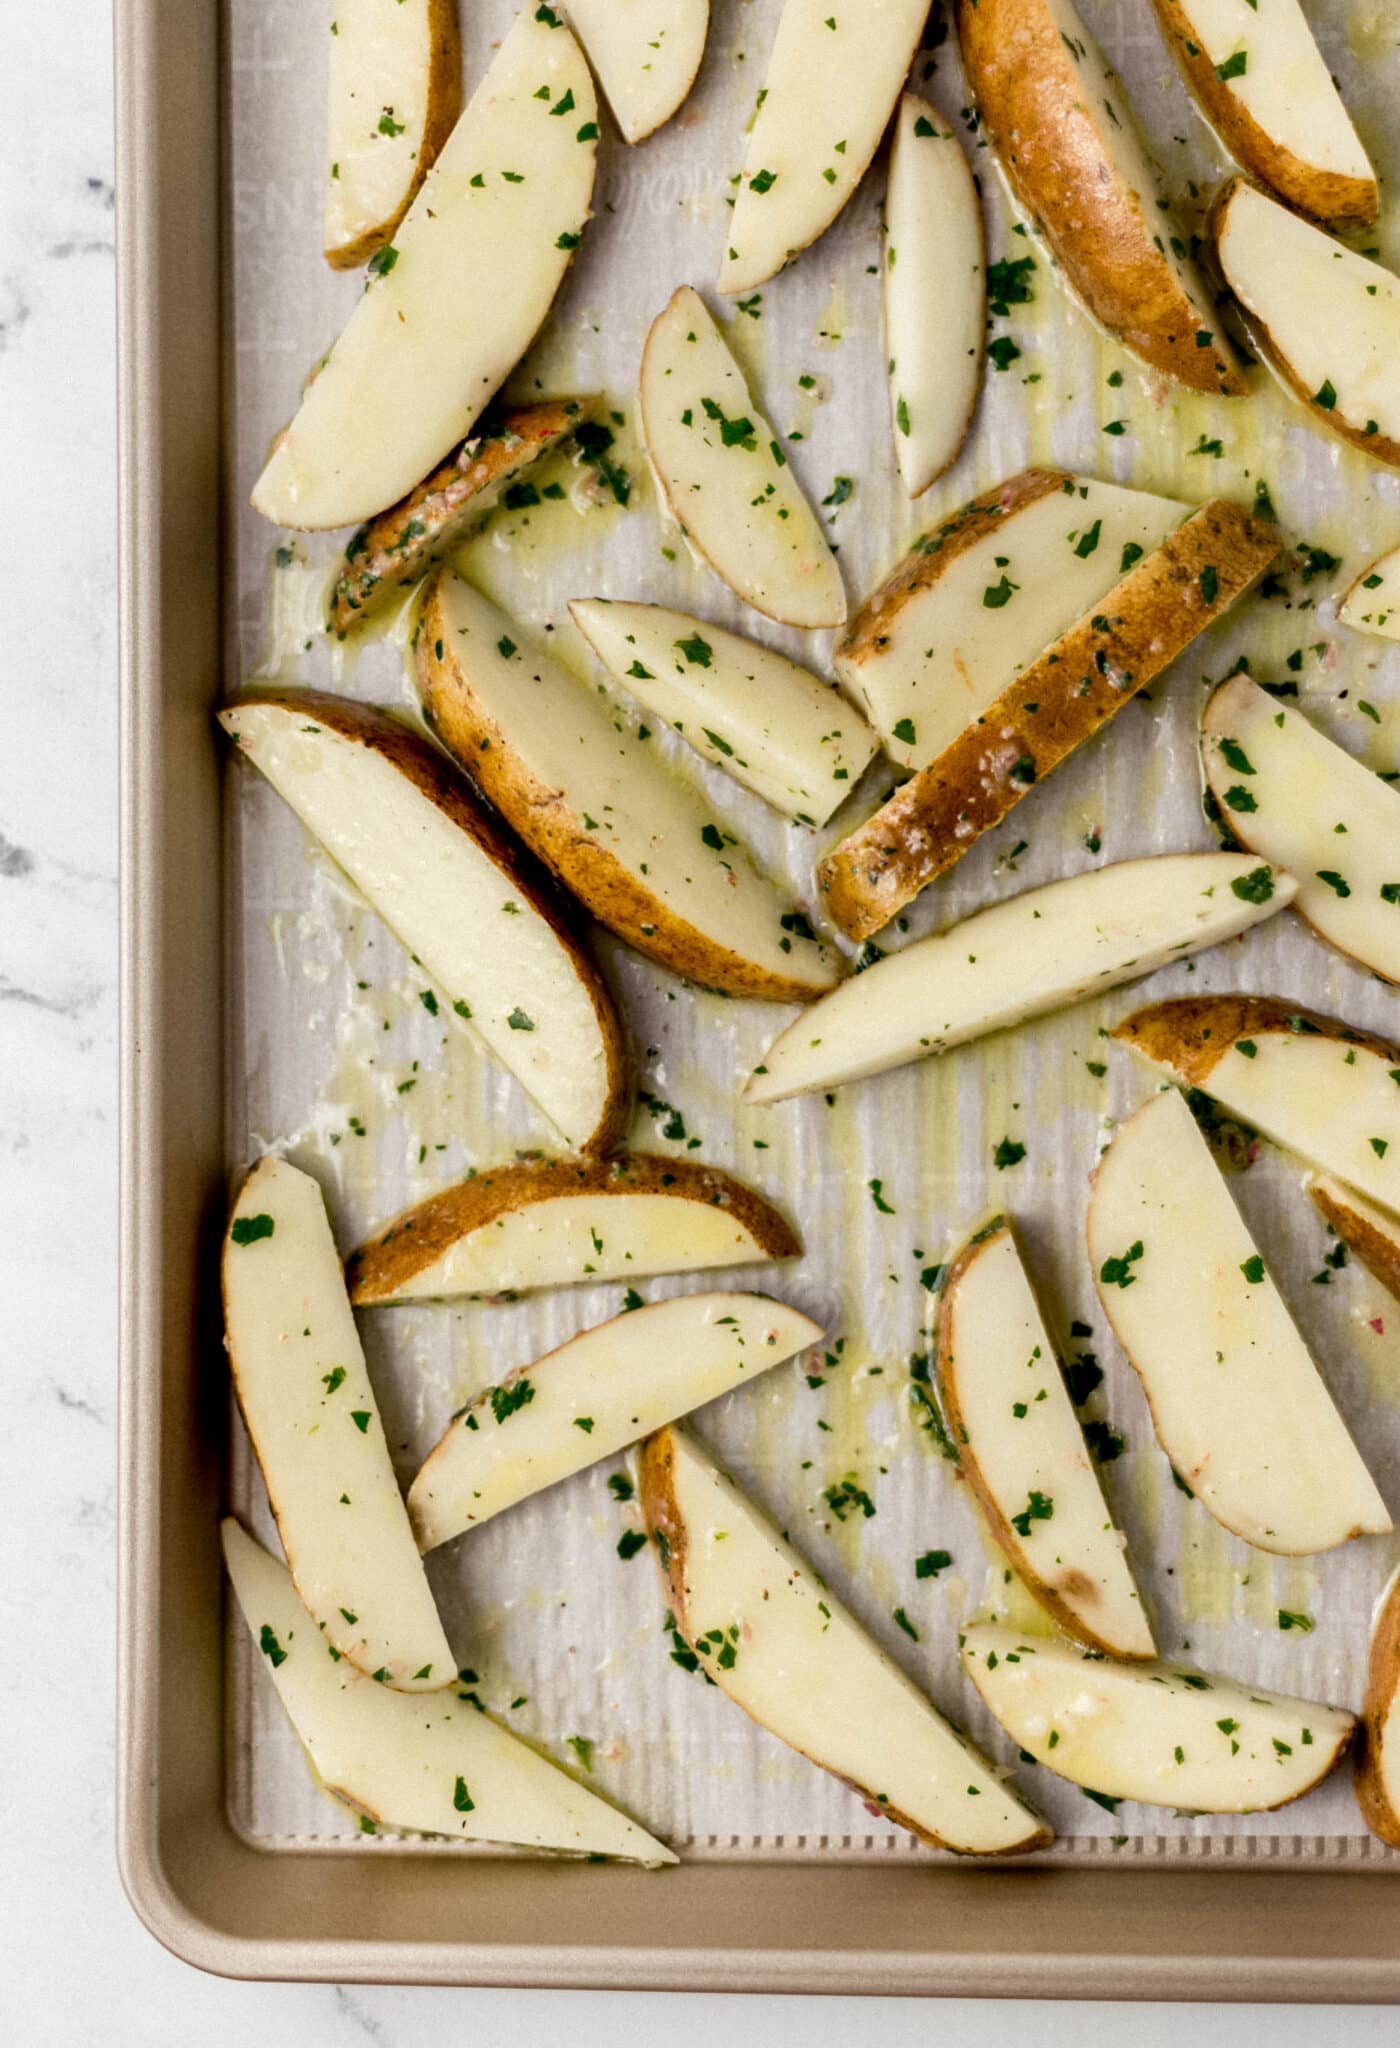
<point x="1040" y="718"/>
<point x="1191" y="1034"/>
<point x="1379" y="1254"/>
<point x="1047" y="140"/>
<point x="1330" y="198"/>
<point x="1382" y="1681"/>
<point x="420" y="1235"/>
<point x="440" y="118"/>
<point x="429" y="770"/>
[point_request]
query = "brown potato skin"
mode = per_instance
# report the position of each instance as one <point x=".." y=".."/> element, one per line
<point x="1382" y="1681"/>
<point x="420" y="1235"/>
<point x="1379" y="1254"/>
<point x="1077" y="685"/>
<point x="384" y="556"/>
<point x="429" y="770"/>
<point x="554" y="833"/>
<point x="439" y="119"/>
<point x="1068" y="1618"/>
<point x="1328" y="197"/>
<point x="1189" y="1035"/>
<point x="1028" y="90"/>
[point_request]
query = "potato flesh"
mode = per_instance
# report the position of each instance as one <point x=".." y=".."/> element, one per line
<point x="424" y="329"/>
<point x="1296" y="797"/>
<point x="805" y="1670"/>
<point x="792" y="740"/>
<point x="310" y="1409"/>
<point x="1238" y="1405"/>
<point x="401" y="1760"/>
<point x="935" y="293"/>
<point x="737" y="501"/>
<point x="1372" y="605"/>
<point x="646" y="54"/>
<point x="1285" y="85"/>
<point x="446" y="901"/>
<point x="379" y="62"/>
<point x="1152" y="1732"/>
<point x="1035" y="952"/>
<point x="949" y="653"/>
<point x="1018" y="1427"/>
<point x="625" y="1378"/>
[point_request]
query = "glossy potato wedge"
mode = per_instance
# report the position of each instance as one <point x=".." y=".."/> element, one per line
<point x="1367" y="1231"/>
<point x="1372" y="604"/>
<point x="305" y="1393"/>
<point x="568" y="1222"/>
<point x="774" y="1637"/>
<point x="1238" y="1404"/>
<point x="433" y="1765"/>
<point x="646" y="54"/>
<point x="395" y="91"/>
<point x="1377" y="1756"/>
<point x="1065" y="136"/>
<point x="459" y="895"/>
<point x="603" y="1390"/>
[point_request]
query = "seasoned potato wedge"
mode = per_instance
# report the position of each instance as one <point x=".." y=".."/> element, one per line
<point x="1065" y="137"/>
<point x="1378" y="1733"/>
<point x="1056" y="703"/>
<point x="395" y="92"/>
<point x="773" y="1635"/>
<point x="1372" y="605"/>
<point x="602" y="809"/>
<point x="566" y="1222"/>
<point x="646" y="54"/>
<point x="1367" y="1231"/>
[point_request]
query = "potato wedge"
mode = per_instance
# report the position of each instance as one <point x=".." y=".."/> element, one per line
<point x="390" y="553"/>
<point x="1159" y="1733"/>
<point x="777" y="729"/>
<point x="426" y="348"/>
<point x="1366" y="1230"/>
<point x="832" y="82"/>
<point x="1290" y="793"/>
<point x="1060" y="700"/>
<point x="602" y="809"/>
<point x="395" y="93"/>
<point x="592" y="1397"/>
<point x="568" y="1222"/>
<point x="1065" y="137"/>
<point x="646" y="54"/>
<point x="434" y="1766"/>
<point x="1377" y="1753"/>
<point x="725" y="476"/>
<point x="301" y="1381"/>
<point x="1372" y="605"/>
<point x="1263" y="85"/>
<point x="935" y="284"/>
<point x="976" y="600"/>
<point x="1307" y="1081"/>
<point x="1035" y="952"/>
<point x="774" y="1637"/>
<point x="1325" y="320"/>
<point x="1238" y="1405"/>
<point x="458" y="894"/>
<point x="1021" y="1450"/>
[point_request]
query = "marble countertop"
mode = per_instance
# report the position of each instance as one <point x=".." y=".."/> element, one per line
<point x="77" y="1965"/>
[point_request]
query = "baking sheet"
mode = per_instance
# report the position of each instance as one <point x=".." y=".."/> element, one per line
<point x="334" y="1059"/>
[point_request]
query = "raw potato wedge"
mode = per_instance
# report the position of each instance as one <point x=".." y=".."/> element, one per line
<point x="435" y="1766"/>
<point x="426" y="347"/>
<point x="1377" y="1755"/>
<point x="1160" y="1733"/>
<point x="646" y="54"/>
<point x="301" y="1382"/>
<point x="777" y="729"/>
<point x="1064" y="133"/>
<point x="592" y="1397"/>
<point x="1035" y="952"/>
<point x="1372" y="605"/>
<point x="1263" y="85"/>
<point x="724" y="474"/>
<point x="455" y="891"/>
<point x="1290" y="793"/>
<point x="1052" y="707"/>
<point x="1022" y="1452"/>
<point x="395" y="92"/>
<point x="1373" y="1236"/>
<point x="1307" y="1081"/>
<point x="774" y="1637"/>
<point x="601" y="808"/>
<point x="935" y="283"/>
<point x="1237" y="1403"/>
<point x="975" y="601"/>
<point x="1325" y="320"/>
<point x="390" y="553"/>
<point x="567" y="1222"/>
<point x="833" y="78"/>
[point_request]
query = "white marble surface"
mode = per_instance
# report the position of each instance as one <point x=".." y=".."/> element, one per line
<point x="75" y="1966"/>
